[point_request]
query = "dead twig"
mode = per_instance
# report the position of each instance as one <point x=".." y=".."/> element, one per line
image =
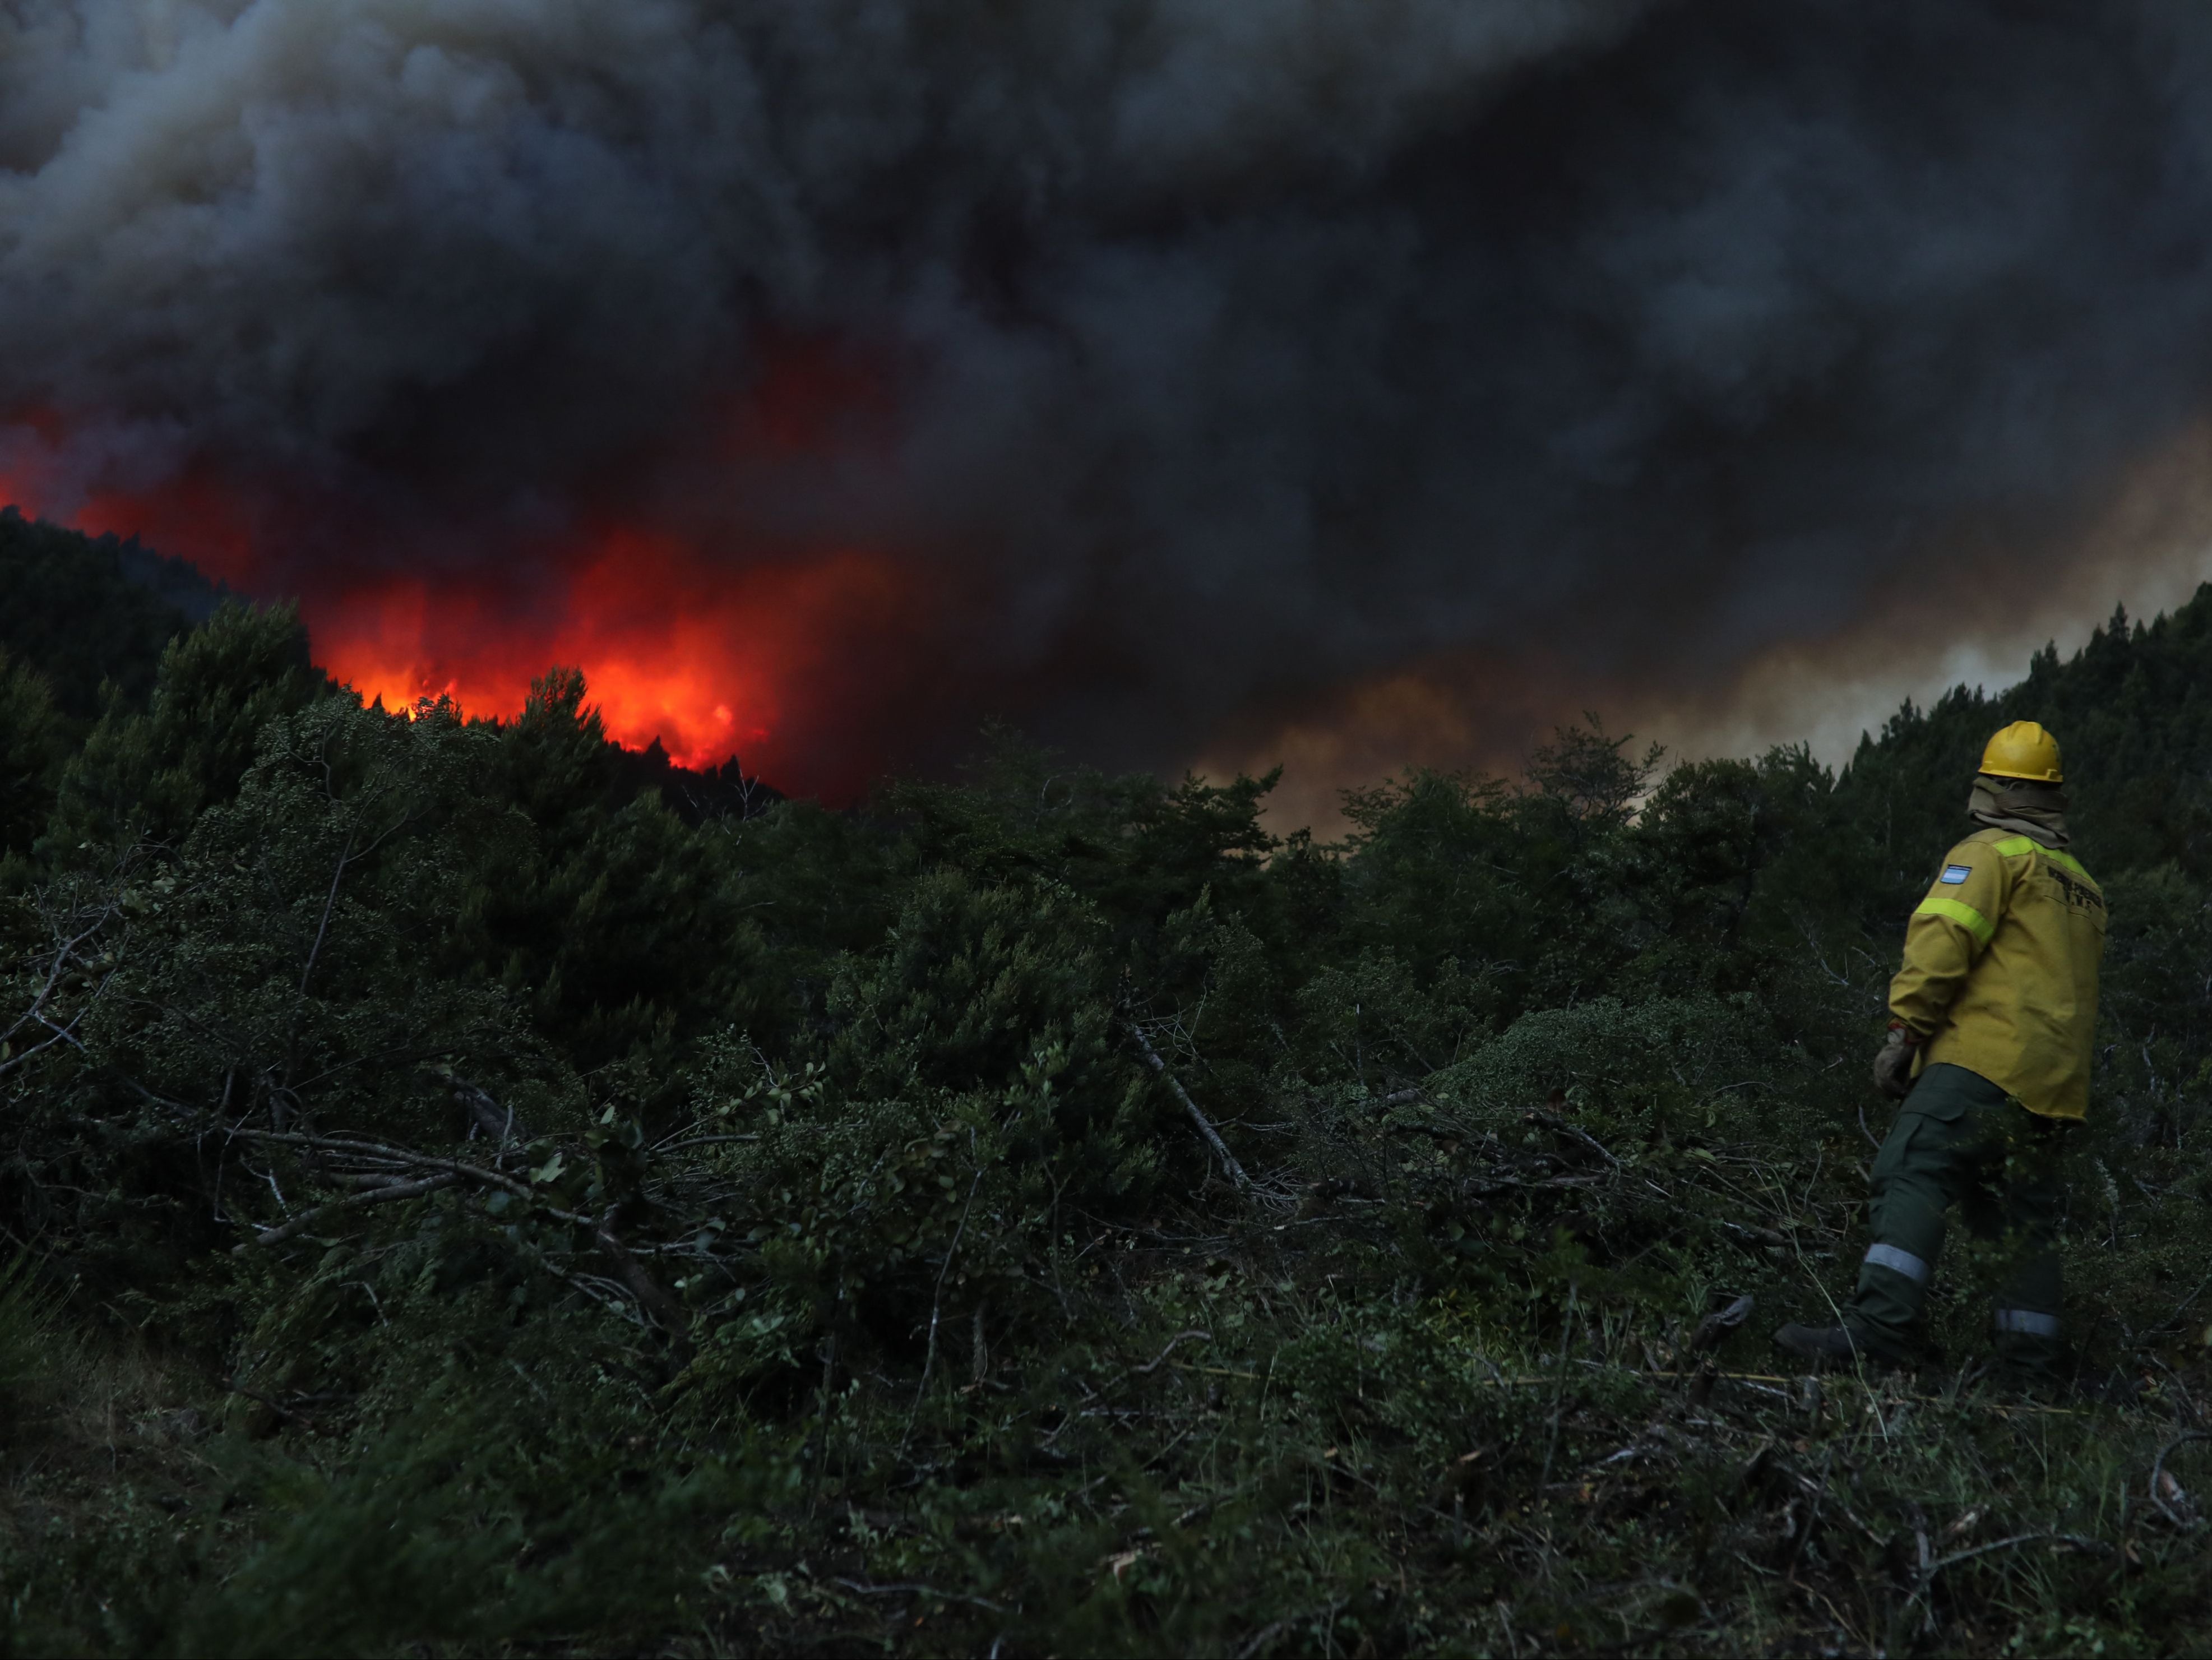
<point x="1718" y="1324"/>
<point x="1554" y="1121"/>
<point x="1872" y="1140"/>
<point x="937" y="1299"/>
<point x="67" y="955"/>
<point x="2159" y="1479"/>
<point x="1930" y="1565"/>
<point x="697" y="1141"/>
<point x="921" y="1590"/>
<point x="486" y="1117"/>
<point x="2074" y="1540"/>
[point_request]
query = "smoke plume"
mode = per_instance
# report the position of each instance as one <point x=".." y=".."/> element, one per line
<point x="1164" y="374"/>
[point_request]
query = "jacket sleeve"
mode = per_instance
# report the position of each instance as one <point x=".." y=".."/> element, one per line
<point x="1950" y="929"/>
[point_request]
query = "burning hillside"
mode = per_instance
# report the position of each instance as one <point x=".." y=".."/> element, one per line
<point x="710" y="654"/>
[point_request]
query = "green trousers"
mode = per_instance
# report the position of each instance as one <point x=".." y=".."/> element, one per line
<point x="1960" y="1140"/>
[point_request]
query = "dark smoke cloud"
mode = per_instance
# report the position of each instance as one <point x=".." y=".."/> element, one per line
<point x="1234" y="351"/>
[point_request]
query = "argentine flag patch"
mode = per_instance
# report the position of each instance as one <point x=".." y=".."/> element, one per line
<point x="1955" y="874"/>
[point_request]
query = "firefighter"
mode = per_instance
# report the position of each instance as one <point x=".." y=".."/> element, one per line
<point x="1992" y="1019"/>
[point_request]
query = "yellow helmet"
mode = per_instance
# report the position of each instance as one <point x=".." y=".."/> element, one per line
<point x="2024" y="750"/>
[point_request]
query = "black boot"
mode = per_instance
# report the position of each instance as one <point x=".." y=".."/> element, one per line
<point x="1835" y="1348"/>
<point x="2031" y="1366"/>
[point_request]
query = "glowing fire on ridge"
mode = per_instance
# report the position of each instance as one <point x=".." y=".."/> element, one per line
<point x="702" y="659"/>
<point x="712" y="658"/>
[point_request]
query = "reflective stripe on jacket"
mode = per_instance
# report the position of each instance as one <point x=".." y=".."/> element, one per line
<point x="2000" y="970"/>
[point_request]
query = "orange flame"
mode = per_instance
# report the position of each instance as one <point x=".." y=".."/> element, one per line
<point x="706" y="660"/>
<point x="714" y="658"/>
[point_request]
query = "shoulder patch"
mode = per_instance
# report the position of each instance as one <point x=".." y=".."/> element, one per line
<point x="1955" y="874"/>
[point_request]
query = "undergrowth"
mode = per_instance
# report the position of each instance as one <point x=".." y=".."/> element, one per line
<point x="461" y="1204"/>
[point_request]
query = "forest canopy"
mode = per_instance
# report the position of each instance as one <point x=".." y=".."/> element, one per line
<point x="467" y="1187"/>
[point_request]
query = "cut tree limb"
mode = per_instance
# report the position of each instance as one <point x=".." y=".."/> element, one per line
<point x="486" y="1117"/>
<point x="651" y="1296"/>
<point x="365" y="1148"/>
<point x="1205" y="1127"/>
<point x="307" y="1219"/>
<point x="432" y="1173"/>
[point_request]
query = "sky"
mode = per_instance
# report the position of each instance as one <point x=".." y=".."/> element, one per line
<point x="1345" y="383"/>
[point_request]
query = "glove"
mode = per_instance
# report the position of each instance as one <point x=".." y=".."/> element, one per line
<point x="1892" y="1061"/>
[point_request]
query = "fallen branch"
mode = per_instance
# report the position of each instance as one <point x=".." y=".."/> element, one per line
<point x="409" y="1159"/>
<point x="486" y="1117"/>
<point x="2092" y="1546"/>
<point x="698" y="1141"/>
<point x="307" y="1219"/>
<point x="1154" y="1364"/>
<point x="66" y="955"/>
<point x="1496" y="1183"/>
<point x="1552" y="1120"/>
<point x="921" y="1590"/>
<point x="657" y="1302"/>
<point x="406" y="1156"/>
<point x="1205" y="1127"/>
<point x="1750" y="1236"/>
<point x="256" y="1396"/>
<point x="663" y="1310"/>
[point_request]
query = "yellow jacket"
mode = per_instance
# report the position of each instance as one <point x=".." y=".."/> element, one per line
<point x="2000" y="972"/>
